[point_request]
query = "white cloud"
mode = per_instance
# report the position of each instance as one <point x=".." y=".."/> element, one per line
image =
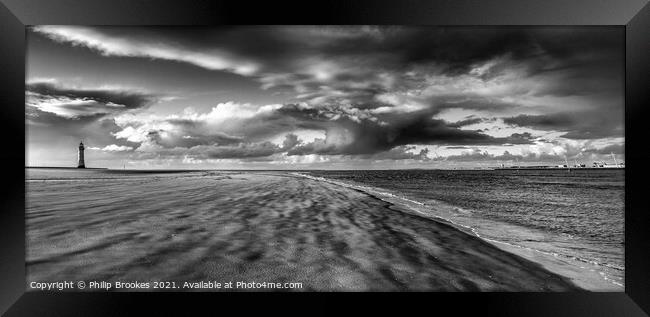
<point x="116" y="46"/>
<point x="112" y="148"/>
<point x="220" y="120"/>
<point x="301" y="159"/>
<point x="191" y="160"/>
<point x="225" y="111"/>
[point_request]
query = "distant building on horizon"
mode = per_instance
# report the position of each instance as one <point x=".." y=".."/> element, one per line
<point x="81" y="163"/>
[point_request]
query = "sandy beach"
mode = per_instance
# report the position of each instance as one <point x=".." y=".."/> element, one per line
<point x="257" y="227"/>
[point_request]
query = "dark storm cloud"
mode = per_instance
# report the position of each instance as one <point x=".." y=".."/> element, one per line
<point x="456" y="49"/>
<point x="356" y="64"/>
<point x="348" y="131"/>
<point x="130" y="100"/>
<point x="470" y="102"/>
<point x="188" y="139"/>
<point x="547" y="121"/>
<point x="285" y="50"/>
<point x="577" y="125"/>
<point x="366" y="136"/>
<point x="290" y="141"/>
<point x="423" y="130"/>
<point x="466" y="122"/>
<point x="74" y="103"/>
<point x="215" y="146"/>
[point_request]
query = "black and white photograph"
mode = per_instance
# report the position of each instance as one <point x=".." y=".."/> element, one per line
<point x="325" y="158"/>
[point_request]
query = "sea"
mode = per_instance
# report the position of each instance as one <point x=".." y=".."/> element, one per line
<point x="575" y="215"/>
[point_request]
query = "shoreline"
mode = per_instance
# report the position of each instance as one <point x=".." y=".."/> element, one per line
<point x="585" y="275"/>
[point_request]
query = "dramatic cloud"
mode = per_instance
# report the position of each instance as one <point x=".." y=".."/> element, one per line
<point x="346" y="132"/>
<point x="356" y="64"/>
<point x="549" y="121"/>
<point x="578" y="125"/>
<point x="466" y="122"/>
<point x="335" y="94"/>
<point x="144" y="47"/>
<point x="74" y="103"/>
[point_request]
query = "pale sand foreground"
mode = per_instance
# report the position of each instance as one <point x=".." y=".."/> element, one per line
<point x="257" y="227"/>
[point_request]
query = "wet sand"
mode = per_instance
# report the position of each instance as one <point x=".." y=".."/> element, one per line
<point x="257" y="227"/>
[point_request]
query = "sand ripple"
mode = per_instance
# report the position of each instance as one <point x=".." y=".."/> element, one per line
<point x="247" y="226"/>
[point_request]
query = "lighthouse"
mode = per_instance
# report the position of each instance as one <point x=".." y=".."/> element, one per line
<point x="81" y="156"/>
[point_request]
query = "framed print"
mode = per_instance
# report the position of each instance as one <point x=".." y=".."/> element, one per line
<point x="414" y="152"/>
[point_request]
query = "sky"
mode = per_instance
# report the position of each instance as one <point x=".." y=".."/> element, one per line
<point x="324" y="97"/>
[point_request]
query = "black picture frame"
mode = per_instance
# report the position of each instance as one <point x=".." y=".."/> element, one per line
<point x="634" y="15"/>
